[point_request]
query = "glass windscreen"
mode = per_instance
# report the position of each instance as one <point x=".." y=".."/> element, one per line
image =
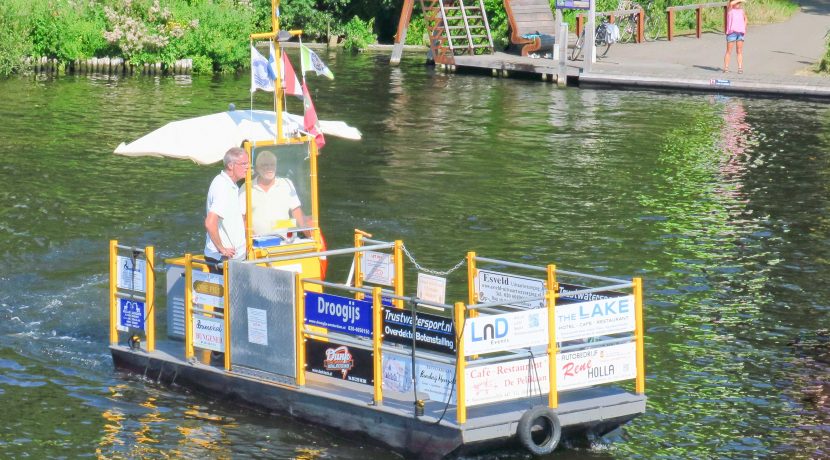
<point x="280" y="190"/>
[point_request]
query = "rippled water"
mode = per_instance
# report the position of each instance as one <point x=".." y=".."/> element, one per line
<point x="720" y="203"/>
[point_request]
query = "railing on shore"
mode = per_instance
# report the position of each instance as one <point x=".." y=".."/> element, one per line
<point x="698" y="7"/>
<point x="106" y="65"/>
<point x="612" y="15"/>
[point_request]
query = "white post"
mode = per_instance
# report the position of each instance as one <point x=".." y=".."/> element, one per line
<point x="557" y="29"/>
<point x="562" y="49"/>
<point x="590" y="36"/>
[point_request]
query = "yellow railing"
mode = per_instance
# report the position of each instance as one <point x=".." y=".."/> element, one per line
<point x="461" y="313"/>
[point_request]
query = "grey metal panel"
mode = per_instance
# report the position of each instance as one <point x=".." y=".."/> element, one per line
<point x="175" y="302"/>
<point x="255" y="291"/>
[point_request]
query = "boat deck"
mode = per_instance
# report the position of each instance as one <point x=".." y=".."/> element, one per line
<point x="348" y="406"/>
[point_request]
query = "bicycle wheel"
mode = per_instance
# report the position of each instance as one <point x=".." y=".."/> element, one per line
<point x="578" y="46"/>
<point x="628" y="29"/>
<point x="653" y="28"/>
<point x="602" y="48"/>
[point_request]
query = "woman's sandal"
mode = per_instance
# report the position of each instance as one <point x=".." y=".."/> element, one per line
<point x="740" y="70"/>
<point x="725" y="70"/>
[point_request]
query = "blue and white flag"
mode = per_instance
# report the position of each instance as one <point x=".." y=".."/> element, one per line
<point x="260" y="72"/>
<point x="311" y="62"/>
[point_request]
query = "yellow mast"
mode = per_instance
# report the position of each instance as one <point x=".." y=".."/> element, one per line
<point x="273" y="35"/>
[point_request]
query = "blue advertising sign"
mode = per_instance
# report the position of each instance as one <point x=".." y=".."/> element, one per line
<point x="131" y="314"/>
<point x="432" y="332"/>
<point x="341" y="314"/>
<point x="573" y="4"/>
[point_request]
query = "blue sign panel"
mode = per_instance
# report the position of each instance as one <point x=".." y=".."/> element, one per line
<point x="573" y="4"/>
<point x="340" y="314"/>
<point x="131" y="313"/>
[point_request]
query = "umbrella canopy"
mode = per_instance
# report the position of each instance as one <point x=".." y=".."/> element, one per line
<point x="206" y="139"/>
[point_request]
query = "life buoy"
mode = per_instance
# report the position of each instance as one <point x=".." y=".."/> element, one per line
<point x="324" y="263"/>
<point x="539" y="430"/>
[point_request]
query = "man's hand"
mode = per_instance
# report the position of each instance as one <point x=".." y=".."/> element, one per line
<point x="227" y="252"/>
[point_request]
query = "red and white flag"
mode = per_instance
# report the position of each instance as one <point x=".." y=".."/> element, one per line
<point x="289" y="78"/>
<point x="310" y="122"/>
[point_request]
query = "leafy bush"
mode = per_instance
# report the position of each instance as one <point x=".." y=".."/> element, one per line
<point x="416" y="32"/>
<point x="14" y="31"/>
<point x="316" y="24"/>
<point x="359" y="34"/>
<point x="66" y="30"/>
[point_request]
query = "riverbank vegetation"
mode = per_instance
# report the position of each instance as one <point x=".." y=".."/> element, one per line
<point x="213" y="33"/>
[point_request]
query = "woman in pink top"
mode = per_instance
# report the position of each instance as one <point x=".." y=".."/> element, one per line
<point x="735" y="30"/>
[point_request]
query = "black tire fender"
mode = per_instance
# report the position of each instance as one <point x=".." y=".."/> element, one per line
<point x="539" y="430"/>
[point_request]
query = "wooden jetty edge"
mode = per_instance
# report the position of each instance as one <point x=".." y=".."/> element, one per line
<point x="777" y="57"/>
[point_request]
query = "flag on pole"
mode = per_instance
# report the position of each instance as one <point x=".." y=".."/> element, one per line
<point x="260" y="73"/>
<point x="310" y="61"/>
<point x="310" y="122"/>
<point x="289" y="78"/>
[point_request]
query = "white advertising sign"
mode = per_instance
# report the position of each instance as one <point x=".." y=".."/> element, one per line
<point x="208" y="288"/>
<point x="593" y="318"/>
<point x="508" y="331"/>
<point x="209" y="333"/>
<point x="377" y="268"/>
<point x="503" y="288"/>
<point x="578" y="369"/>
<point x="432" y="288"/>
<point x="504" y="381"/>
<point x="434" y="379"/>
<point x="131" y="273"/>
<point x="257" y="326"/>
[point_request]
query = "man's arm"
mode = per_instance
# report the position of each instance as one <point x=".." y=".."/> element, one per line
<point x="297" y="214"/>
<point x="212" y="227"/>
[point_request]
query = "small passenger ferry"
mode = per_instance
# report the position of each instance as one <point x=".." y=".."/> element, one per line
<point x="534" y="354"/>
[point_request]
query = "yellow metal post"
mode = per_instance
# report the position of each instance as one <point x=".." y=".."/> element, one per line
<point x="249" y="218"/>
<point x="461" y="405"/>
<point x="188" y="306"/>
<point x="377" y="338"/>
<point x="550" y="301"/>
<point x="639" y="334"/>
<point x="113" y="287"/>
<point x="299" y="308"/>
<point x="472" y="272"/>
<point x="471" y="278"/>
<point x="150" y="256"/>
<point x="315" y="204"/>
<point x="226" y="313"/>
<point x="275" y="28"/>
<point x="358" y="273"/>
<point x="397" y="260"/>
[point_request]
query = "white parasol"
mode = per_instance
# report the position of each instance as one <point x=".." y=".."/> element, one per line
<point x="206" y="139"/>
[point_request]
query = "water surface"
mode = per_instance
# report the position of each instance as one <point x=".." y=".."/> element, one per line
<point x="719" y="203"/>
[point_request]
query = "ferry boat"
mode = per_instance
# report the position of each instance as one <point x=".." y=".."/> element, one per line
<point x="534" y="354"/>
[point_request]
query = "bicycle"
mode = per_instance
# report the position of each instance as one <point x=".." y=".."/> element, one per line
<point x="627" y="23"/>
<point x="652" y="22"/>
<point x="605" y="35"/>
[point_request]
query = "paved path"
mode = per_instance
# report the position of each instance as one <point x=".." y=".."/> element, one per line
<point x="778" y="58"/>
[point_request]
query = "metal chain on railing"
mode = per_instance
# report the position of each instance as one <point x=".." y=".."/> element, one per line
<point x="427" y="270"/>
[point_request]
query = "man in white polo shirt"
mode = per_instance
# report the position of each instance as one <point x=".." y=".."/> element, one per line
<point x="224" y="224"/>
<point x="273" y="199"/>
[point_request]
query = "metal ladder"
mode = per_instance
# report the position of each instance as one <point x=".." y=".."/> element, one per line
<point x="456" y="28"/>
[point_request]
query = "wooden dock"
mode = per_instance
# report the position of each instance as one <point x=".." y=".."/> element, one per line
<point x="506" y="65"/>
